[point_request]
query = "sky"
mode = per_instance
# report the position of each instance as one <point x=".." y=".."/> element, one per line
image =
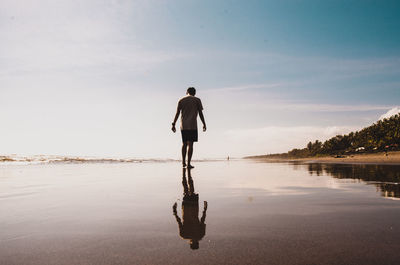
<point x="102" y="78"/>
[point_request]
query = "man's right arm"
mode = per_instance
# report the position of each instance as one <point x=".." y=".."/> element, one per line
<point x="200" y="109"/>
<point x="175" y="212"/>
<point x="178" y="110"/>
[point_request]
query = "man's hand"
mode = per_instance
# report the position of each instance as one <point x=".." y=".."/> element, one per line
<point x="204" y="128"/>
<point x="205" y="205"/>
<point x="173" y="128"/>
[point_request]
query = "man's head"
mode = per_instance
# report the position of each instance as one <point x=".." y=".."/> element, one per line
<point x="191" y="91"/>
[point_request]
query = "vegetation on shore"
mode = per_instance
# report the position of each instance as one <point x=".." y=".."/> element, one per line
<point x="382" y="136"/>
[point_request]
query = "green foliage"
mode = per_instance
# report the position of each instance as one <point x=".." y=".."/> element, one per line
<point x="383" y="135"/>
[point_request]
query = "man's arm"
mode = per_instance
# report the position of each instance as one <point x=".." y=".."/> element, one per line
<point x="178" y="111"/>
<point x="202" y="120"/>
<point x="175" y="212"/>
<point x="203" y="217"/>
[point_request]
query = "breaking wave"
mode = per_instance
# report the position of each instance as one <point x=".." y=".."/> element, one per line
<point x="51" y="159"/>
<point x="42" y="159"/>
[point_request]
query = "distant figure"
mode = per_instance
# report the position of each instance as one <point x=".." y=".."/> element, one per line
<point x="191" y="228"/>
<point x="227" y="158"/>
<point x="189" y="106"/>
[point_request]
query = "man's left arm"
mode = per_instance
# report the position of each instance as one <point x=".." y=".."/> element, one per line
<point x="202" y="120"/>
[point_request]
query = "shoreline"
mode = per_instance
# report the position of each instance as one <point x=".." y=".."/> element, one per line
<point x="393" y="158"/>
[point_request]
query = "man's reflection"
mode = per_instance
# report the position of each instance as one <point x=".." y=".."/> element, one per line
<point x="191" y="228"/>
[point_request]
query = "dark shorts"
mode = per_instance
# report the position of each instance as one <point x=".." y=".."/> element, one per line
<point x="189" y="135"/>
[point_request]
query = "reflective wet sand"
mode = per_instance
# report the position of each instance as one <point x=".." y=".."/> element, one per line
<point x="239" y="212"/>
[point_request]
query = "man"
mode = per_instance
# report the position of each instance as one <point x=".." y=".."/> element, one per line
<point x="189" y="107"/>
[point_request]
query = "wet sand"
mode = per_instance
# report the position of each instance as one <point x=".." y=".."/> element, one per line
<point x="377" y="158"/>
<point x="258" y="213"/>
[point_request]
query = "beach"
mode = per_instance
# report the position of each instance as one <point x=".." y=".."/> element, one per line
<point x="141" y="132"/>
<point x="258" y="213"/>
<point x="374" y="158"/>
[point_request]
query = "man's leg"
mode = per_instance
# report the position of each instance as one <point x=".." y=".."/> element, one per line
<point x="190" y="152"/>
<point x="184" y="148"/>
<point x="185" y="184"/>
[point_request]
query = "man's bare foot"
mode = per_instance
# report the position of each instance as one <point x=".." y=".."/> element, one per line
<point x="190" y="166"/>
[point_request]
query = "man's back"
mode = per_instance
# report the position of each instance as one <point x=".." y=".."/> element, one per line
<point x="190" y="107"/>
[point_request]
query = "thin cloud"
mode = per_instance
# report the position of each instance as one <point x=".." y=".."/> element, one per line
<point x="333" y="107"/>
<point x="245" y="87"/>
<point x="277" y="139"/>
<point x="311" y="107"/>
<point x="322" y="67"/>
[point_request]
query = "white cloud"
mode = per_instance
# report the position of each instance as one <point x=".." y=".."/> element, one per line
<point x="390" y="113"/>
<point x="94" y="37"/>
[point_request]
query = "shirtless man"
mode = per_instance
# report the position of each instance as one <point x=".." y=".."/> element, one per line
<point x="189" y="106"/>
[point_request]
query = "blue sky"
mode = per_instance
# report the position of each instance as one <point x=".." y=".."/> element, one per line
<point x="103" y="77"/>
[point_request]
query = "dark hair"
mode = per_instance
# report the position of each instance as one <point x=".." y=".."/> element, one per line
<point x="191" y="91"/>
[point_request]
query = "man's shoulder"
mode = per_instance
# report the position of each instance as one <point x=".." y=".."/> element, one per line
<point x="189" y="99"/>
<point x="182" y="99"/>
